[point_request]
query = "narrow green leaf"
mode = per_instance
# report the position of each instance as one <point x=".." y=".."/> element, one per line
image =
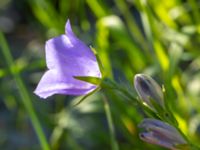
<point x="93" y="80"/>
<point x="86" y="96"/>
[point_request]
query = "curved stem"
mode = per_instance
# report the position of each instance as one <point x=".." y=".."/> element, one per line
<point x="26" y="100"/>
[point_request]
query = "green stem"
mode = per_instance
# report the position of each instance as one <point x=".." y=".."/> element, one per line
<point x="110" y="84"/>
<point x="23" y="93"/>
<point x="114" y="143"/>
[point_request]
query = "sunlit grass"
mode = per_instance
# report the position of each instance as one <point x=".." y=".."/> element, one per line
<point x="160" y="39"/>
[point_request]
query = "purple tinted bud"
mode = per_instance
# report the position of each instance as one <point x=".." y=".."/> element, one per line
<point x="148" y="90"/>
<point x="66" y="57"/>
<point x="160" y="133"/>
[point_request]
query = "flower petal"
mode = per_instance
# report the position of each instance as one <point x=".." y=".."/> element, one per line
<point x="67" y="57"/>
<point x="77" y="43"/>
<point x="68" y="29"/>
<point x="53" y="82"/>
<point x="160" y="133"/>
<point x="76" y="60"/>
<point x="150" y="138"/>
<point x="148" y="123"/>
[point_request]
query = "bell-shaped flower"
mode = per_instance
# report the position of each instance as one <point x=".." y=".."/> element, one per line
<point x="149" y="91"/>
<point x="160" y="133"/>
<point x="66" y="58"/>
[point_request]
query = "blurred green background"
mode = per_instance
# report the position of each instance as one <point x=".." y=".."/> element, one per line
<point x="159" y="38"/>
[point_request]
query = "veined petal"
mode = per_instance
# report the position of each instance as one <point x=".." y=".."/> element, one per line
<point x="149" y="123"/>
<point x="167" y="130"/>
<point x="151" y="138"/>
<point x="161" y="133"/>
<point x="53" y="82"/>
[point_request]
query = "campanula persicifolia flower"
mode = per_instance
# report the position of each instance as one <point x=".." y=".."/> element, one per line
<point x="148" y="90"/>
<point x="160" y="133"/>
<point x="67" y="57"/>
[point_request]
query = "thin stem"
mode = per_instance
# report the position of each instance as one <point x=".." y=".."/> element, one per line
<point x="23" y="93"/>
<point x="107" y="83"/>
<point x="114" y="143"/>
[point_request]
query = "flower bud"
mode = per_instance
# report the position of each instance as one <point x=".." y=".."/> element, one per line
<point x="160" y="133"/>
<point x="148" y="90"/>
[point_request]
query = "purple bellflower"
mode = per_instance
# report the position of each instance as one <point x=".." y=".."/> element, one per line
<point x="160" y="133"/>
<point x="148" y="90"/>
<point x="67" y="57"/>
